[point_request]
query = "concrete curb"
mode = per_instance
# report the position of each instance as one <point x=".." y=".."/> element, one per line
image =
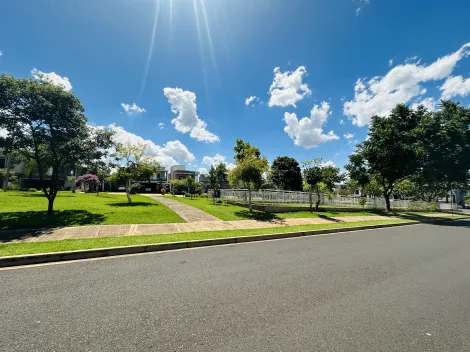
<point x="42" y="258"/>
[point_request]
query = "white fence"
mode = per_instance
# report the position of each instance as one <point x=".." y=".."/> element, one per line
<point x="291" y="198"/>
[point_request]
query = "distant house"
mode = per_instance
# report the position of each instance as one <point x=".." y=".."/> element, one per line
<point x="32" y="180"/>
<point x="179" y="172"/>
<point x="157" y="183"/>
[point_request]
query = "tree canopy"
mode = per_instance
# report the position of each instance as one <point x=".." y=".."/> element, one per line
<point x="132" y="166"/>
<point x="320" y="178"/>
<point x="250" y="166"/>
<point x="415" y="152"/>
<point x="46" y="124"/>
<point x="285" y="174"/>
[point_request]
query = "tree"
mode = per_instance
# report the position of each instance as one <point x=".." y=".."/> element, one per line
<point x="250" y="166"/>
<point x="320" y="179"/>
<point x="444" y="148"/>
<point x="178" y="186"/>
<point x="285" y="174"/>
<point x="190" y="183"/>
<point x="217" y="177"/>
<point x="212" y="178"/>
<point x="47" y="124"/>
<point x="390" y="153"/>
<point x="221" y="174"/>
<point x="136" y="167"/>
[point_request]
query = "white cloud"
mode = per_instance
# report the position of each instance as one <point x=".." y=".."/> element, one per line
<point x="1" y="53"/>
<point x="179" y="151"/>
<point x="454" y="86"/>
<point x="161" y="125"/>
<point x="166" y="155"/>
<point x="249" y="100"/>
<point x="390" y="62"/>
<point x="52" y="78"/>
<point x="217" y="159"/>
<point x="428" y="103"/>
<point x="341" y="122"/>
<point x="287" y="87"/>
<point x="362" y="3"/>
<point x="379" y="95"/>
<point x="328" y="163"/>
<point x="411" y="59"/>
<point x="203" y="171"/>
<point x="308" y="132"/>
<point x="348" y="135"/>
<point x="183" y="103"/>
<point x="132" y="109"/>
<point x="3" y="132"/>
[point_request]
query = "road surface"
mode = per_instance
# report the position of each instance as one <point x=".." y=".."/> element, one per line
<point x="397" y="289"/>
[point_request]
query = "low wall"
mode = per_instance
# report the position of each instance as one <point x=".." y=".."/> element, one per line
<point x="272" y="208"/>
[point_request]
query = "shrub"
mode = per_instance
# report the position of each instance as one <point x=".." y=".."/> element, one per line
<point x="163" y="191"/>
<point x="90" y="182"/>
<point x="204" y="195"/>
<point x="135" y="188"/>
<point x="12" y="187"/>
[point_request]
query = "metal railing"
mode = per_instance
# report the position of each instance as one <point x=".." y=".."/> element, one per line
<point x="292" y="198"/>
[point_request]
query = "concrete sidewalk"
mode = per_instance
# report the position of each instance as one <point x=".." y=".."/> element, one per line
<point x="187" y="212"/>
<point x="151" y="229"/>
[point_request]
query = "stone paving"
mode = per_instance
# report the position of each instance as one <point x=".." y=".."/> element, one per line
<point x="97" y="231"/>
<point x="187" y="212"/>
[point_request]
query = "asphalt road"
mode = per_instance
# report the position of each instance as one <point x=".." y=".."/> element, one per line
<point x="398" y="289"/>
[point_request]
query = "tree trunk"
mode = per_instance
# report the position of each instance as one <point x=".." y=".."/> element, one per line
<point x="249" y="200"/>
<point x="310" y="200"/>
<point x="7" y="174"/>
<point x="50" y="206"/>
<point x="387" y="201"/>
<point x="317" y="204"/>
<point x="128" y="191"/>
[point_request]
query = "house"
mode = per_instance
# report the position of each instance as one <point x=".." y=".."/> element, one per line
<point x="179" y="172"/>
<point x="32" y="179"/>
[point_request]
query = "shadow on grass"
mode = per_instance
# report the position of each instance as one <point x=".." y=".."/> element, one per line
<point x="329" y="218"/>
<point x="40" y="195"/>
<point x="256" y="215"/>
<point x="133" y="204"/>
<point x="38" y="222"/>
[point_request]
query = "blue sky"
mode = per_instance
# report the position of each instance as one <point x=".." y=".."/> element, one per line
<point x="189" y="66"/>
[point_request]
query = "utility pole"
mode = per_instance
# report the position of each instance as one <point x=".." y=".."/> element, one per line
<point x="7" y="175"/>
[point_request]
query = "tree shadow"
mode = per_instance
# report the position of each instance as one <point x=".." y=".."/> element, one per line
<point x="23" y="225"/>
<point x="133" y="204"/>
<point x="40" y="195"/>
<point x="329" y="218"/>
<point x="256" y="215"/>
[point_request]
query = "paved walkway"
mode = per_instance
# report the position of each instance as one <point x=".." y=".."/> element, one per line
<point x="187" y="212"/>
<point x="98" y="231"/>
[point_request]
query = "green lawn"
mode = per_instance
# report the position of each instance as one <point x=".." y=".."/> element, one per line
<point x="27" y="210"/>
<point x="22" y="248"/>
<point x="235" y="212"/>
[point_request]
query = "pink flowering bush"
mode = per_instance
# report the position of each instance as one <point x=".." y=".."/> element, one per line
<point x="90" y="182"/>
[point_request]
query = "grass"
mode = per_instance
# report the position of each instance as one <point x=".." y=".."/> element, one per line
<point x="22" y="248"/>
<point x="27" y="210"/>
<point x="228" y="212"/>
